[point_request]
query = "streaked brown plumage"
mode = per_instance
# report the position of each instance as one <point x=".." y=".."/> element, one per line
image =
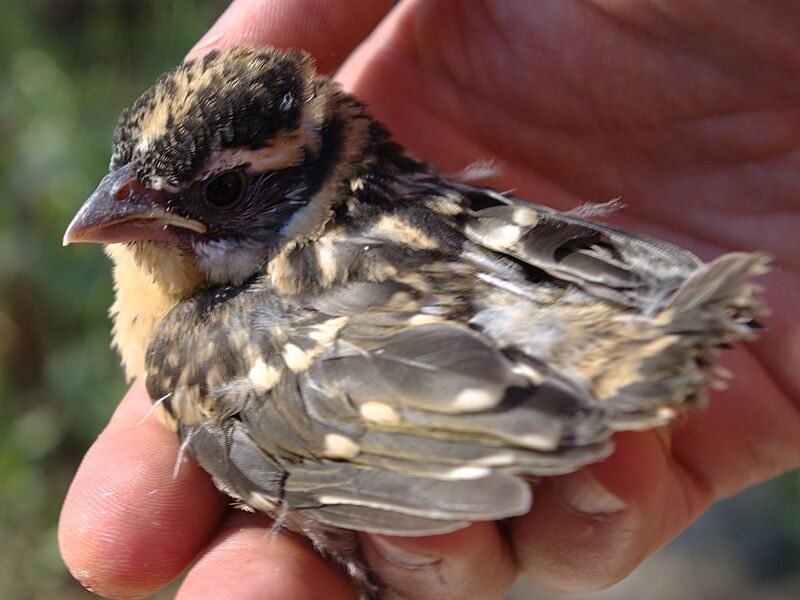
<point x="344" y="337"/>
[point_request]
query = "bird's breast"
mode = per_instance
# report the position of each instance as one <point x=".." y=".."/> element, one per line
<point x="141" y="302"/>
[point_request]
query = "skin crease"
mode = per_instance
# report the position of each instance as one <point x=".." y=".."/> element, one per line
<point x="686" y="109"/>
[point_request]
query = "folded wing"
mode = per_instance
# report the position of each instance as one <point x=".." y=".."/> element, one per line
<point x="411" y="426"/>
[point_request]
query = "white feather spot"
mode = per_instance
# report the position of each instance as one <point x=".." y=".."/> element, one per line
<point x="667" y="413"/>
<point x="264" y="376"/>
<point x="506" y="235"/>
<point x="296" y="358"/>
<point x="259" y="501"/>
<point x="326" y="332"/>
<point x="528" y="373"/>
<point x="422" y="319"/>
<point x="468" y="472"/>
<point x="326" y="258"/>
<point x="524" y="217"/>
<point x="339" y="446"/>
<point x="501" y="459"/>
<point x="496" y="236"/>
<point x="380" y="413"/>
<point x="722" y="372"/>
<point x="471" y="399"/>
<point x="539" y="441"/>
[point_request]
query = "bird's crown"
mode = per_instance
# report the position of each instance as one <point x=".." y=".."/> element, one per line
<point x="241" y="98"/>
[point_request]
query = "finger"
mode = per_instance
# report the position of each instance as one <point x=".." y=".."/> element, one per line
<point x="128" y="526"/>
<point x="471" y="563"/>
<point x="267" y="564"/>
<point x="328" y="30"/>
<point x="747" y="434"/>
<point x="589" y="529"/>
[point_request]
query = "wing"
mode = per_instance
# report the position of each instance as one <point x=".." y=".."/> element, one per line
<point x="609" y="263"/>
<point x="365" y="410"/>
<point x="636" y="319"/>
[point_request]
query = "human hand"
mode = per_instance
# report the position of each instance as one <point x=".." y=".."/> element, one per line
<point x="685" y="109"/>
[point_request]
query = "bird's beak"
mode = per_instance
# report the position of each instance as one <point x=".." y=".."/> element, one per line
<point x="122" y="209"/>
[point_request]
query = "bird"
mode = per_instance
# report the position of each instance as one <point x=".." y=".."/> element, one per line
<point x="348" y="340"/>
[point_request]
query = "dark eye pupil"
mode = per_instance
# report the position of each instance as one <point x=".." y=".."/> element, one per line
<point x="224" y="190"/>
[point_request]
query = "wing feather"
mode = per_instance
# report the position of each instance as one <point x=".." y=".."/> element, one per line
<point x="610" y="263"/>
<point x="392" y="428"/>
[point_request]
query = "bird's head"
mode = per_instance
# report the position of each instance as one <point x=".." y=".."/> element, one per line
<point x="223" y="160"/>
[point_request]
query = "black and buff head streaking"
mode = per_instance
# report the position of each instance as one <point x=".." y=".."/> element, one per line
<point x="343" y="336"/>
<point x="226" y="158"/>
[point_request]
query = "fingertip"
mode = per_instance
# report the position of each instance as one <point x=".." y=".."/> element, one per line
<point x="474" y="562"/>
<point x="127" y="526"/>
<point x="590" y="529"/>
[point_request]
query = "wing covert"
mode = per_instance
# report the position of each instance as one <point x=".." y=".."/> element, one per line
<point x="627" y="268"/>
<point x="412" y="425"/>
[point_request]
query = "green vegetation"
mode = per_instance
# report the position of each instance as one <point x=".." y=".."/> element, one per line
<point x="67" y="67"/>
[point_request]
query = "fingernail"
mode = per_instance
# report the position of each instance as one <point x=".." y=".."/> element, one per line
<point x="400" y="556"/>
<point x="582" y="494"/>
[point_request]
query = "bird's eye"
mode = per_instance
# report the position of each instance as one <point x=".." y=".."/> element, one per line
<point x="225" y="190"/>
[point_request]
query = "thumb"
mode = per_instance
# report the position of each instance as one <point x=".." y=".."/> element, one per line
<point x="328" y="30"/>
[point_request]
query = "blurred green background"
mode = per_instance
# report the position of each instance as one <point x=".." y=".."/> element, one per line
<point x="67" y="67"/>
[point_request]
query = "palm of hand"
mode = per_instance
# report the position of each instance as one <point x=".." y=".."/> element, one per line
<point x="689" y="118"/>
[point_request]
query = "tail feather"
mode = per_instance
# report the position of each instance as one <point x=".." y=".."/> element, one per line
<point x="715" y="306"/>
<point x="718" y="301"/>
<point x="725" y="279"/>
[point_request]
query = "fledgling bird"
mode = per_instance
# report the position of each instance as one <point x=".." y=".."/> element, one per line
<point x="349" y="340"/>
